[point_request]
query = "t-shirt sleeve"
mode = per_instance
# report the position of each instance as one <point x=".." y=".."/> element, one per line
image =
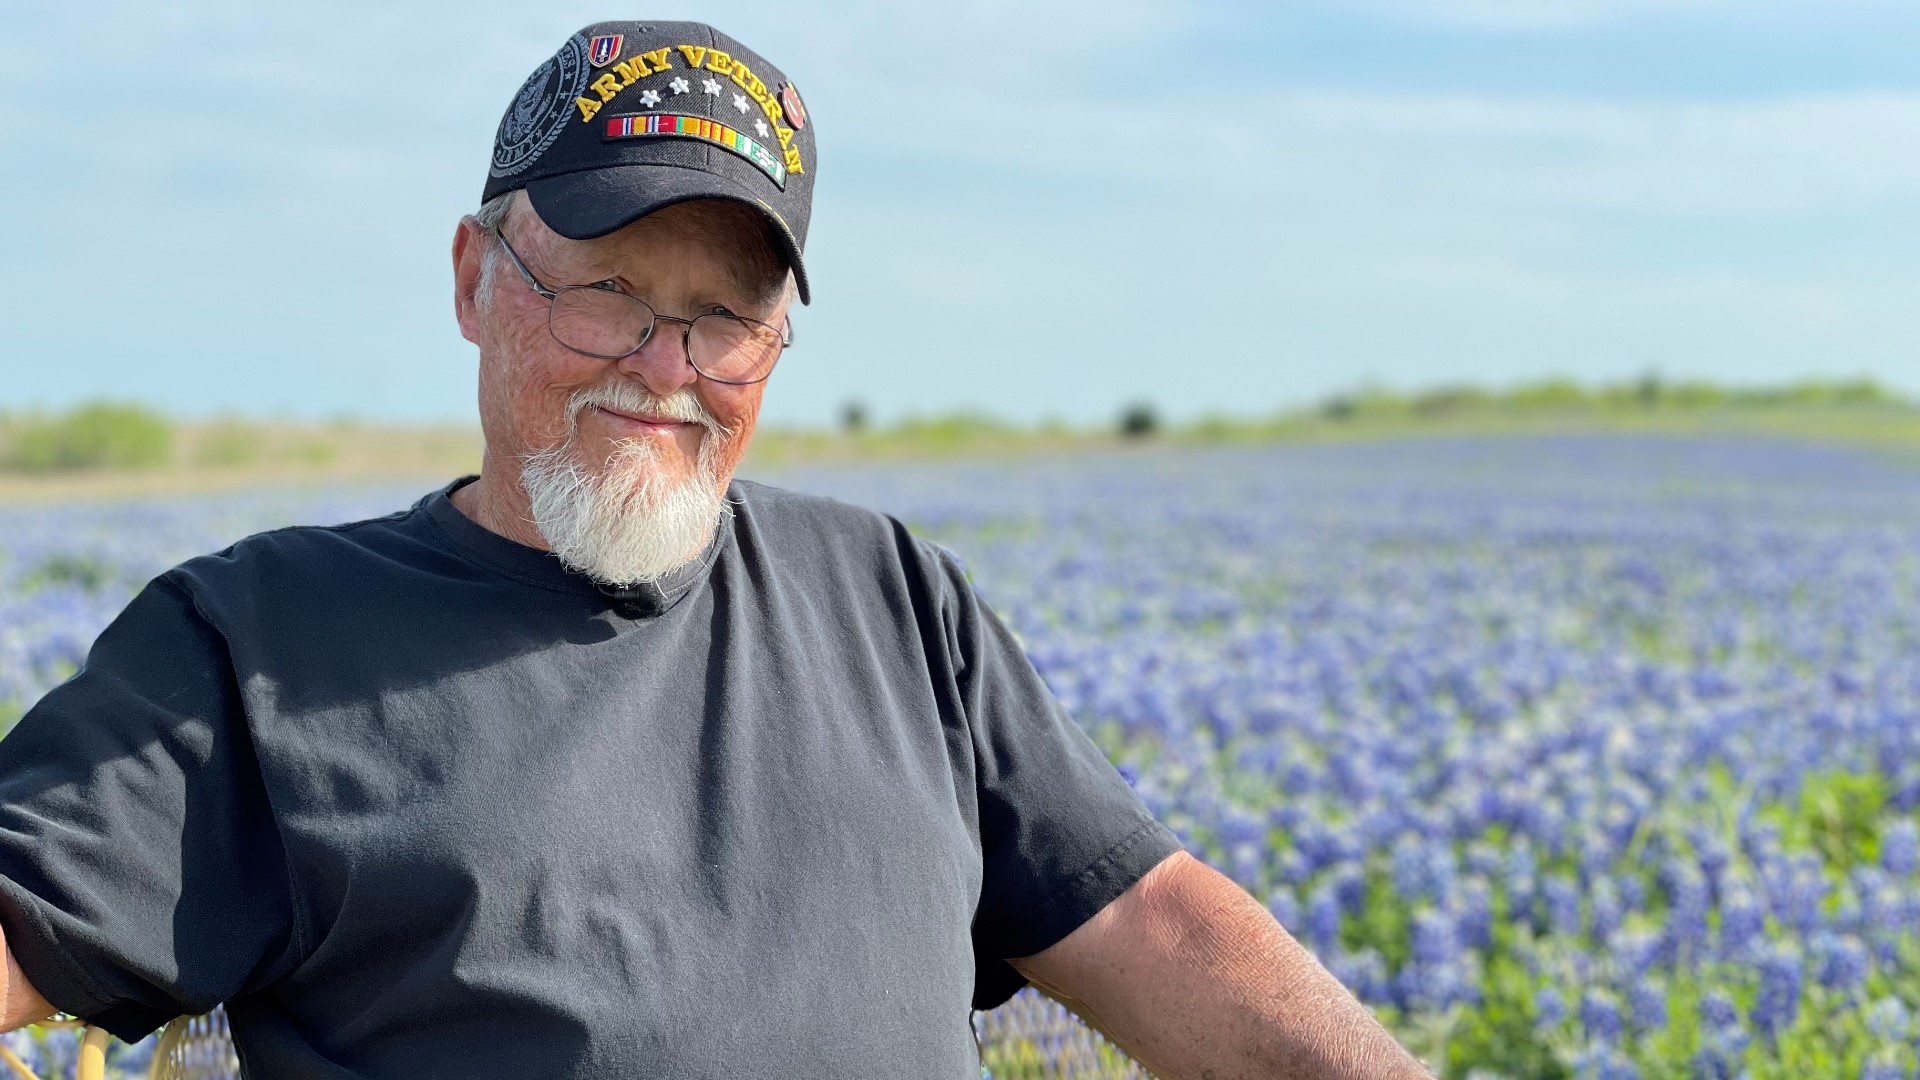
<point x="1062" y="834"/>
<point x="141" y="874"/>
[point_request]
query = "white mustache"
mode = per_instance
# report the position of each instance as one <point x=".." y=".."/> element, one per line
<point x="623" y="396"/>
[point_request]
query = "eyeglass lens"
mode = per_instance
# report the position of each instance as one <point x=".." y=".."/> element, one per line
<point x="607" y="324"/>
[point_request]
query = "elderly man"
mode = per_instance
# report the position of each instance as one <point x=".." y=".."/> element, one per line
<point x="603" y="763"/>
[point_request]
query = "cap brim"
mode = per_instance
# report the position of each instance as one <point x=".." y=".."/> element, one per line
<point x="594" y="202"/>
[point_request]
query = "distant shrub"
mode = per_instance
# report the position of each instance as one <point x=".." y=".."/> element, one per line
<point x="229" y="443"/>
<point x="1340" y="409"/>
<point x="94" y="436"/>
<point x="1855" y="393"/>
<point x="1215" y="427"/>
<point x="1650" y="390"/>
<point x="1447" y="400"/>
<point x="314" y="452"/>
<point x="853" y="417"/>
<point x="1139" y="421"/>
<point x="1555" y="394"/>
<point x="950" y="429"/>
<point x="1861" y="392"/>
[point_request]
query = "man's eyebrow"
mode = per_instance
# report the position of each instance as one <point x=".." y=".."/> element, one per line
<point x="592" y="255"/>
<point x="762" y="294"/>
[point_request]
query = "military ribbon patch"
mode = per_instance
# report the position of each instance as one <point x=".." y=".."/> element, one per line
<point x="699" y="127"/>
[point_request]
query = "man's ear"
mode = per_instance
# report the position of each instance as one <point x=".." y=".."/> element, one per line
<point x="469" y="259"/>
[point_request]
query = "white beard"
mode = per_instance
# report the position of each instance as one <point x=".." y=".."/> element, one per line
<point x="625" y="523"/>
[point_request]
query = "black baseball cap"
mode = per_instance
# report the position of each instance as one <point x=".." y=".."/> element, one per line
<point x="632" y="117"/>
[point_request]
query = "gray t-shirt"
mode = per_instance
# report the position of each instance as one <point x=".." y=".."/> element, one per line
<point x="418" y="802"/>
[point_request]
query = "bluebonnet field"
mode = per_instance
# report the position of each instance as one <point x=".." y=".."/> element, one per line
<point x="1572" y="757"/>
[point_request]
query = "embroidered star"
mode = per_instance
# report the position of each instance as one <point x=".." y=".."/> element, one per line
<point x="760" y="126"/>
<point x="680" y="86"/>
<point x="740" y="102"/>
<point x="649" y="98"/>
<point x="711" y="86"/>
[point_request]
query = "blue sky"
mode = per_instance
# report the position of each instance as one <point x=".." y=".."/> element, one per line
<point x="1034" y="208"/>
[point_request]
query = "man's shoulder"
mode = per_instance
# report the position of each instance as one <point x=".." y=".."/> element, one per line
<point x="796" y="509"/>
<point x="794" y="523"/>
<point x="304" y="553"/>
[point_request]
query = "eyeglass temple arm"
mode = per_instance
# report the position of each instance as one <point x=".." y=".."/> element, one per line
<point x="526" y="275"/>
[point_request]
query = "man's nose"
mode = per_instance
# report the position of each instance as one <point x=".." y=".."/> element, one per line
<point x="662" y="364"/>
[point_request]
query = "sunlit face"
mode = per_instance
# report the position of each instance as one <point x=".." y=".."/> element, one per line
<point x="689" y="259"/>
<point x="619" y="467"/>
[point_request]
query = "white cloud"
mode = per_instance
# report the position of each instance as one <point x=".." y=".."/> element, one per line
<point x="1804" y="155"/>
<point x="1810" y="300"/>
<point x="973" y="146"/>
<point x="1791" y="156"/>
<point x="984" y="85"/>
<point x="1477" y="275"/>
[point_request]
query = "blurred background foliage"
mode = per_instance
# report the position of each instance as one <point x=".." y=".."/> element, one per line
<point x="103" y="445"/>
<point x="94" y="436"/>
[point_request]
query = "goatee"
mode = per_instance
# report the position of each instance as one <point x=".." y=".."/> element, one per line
<point x="626" y="522"/>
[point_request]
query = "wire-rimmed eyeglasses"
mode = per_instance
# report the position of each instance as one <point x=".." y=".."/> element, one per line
<point x="602" y="322"/>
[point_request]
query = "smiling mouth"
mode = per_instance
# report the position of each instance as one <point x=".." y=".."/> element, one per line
<point x="647" y="419"/>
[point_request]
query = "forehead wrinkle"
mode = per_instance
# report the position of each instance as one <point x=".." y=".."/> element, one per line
<point x="748" y="275"/>
<point x="734" y="234"/>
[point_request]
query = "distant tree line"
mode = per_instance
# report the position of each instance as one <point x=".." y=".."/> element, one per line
<point x="1141" y="419"/>
<point x="121" y="435"/>
<point x="1649" y="392"/>
<point x="127" y="436"/>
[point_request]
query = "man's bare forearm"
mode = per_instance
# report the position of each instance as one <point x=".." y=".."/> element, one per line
<point x="20" y="1003"/>
<point x="1212" y="988"/>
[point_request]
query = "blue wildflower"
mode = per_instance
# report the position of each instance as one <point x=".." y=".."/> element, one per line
<point x="1742" y="921"/>
<point x="1600" y="1016"/>
<point x="1885" y="1065"/>
<point x="1323" y="918"/>
<point x="1549" y="1008"/>
<point x="1474" y="913"/>
<point x="1718" y="1011"/>
<point x="1778" y="1000"/>
<point x="1562" y="898"/>
<point x="1647" y="1002"/>
<point x="1284" y="905"/>
<point x="1900" y="848"/>
<point x="1842" y="961"/>
<point x="1890" y="1021"/>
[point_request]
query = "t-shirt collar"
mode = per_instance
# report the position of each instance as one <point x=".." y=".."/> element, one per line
<point x="544" y="568"/>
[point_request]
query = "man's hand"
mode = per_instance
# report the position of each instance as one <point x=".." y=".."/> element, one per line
<point x="20" y="1003"/>
<point x="1194" y="978"/>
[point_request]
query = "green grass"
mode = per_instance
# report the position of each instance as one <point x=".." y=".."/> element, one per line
<point x="1890" y="426"/>
<point x="87" y="453"/>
